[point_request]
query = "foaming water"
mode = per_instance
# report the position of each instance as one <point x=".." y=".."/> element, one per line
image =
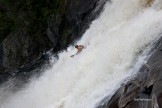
<point x="117" y="43"/>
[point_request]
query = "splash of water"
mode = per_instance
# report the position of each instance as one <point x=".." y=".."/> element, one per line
<point x="113" y="44"/>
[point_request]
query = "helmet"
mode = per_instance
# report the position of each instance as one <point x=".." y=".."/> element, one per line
<point x="76" y="46"/>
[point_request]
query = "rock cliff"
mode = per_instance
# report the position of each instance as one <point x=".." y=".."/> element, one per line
<point x="29" y="28"/>
<point x="144" y="90"/>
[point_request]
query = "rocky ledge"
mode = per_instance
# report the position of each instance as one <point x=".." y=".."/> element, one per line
<point x="144" y="90"/>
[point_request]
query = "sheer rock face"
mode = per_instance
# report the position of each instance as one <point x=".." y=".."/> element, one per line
<point x="144" y="90"/>
<point x="1" y="55"/>
<point x="72" y="21"/>
<point x="20" y="48"/>
<point x="37" y="26"/>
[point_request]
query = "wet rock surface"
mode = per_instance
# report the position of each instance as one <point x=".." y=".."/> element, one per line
<point x="24" y="52"/>
<point x="18" y="77"/>
<point x="31" y="28"/>
<point x="144" y="90"/>
<point x="63" y="29"/>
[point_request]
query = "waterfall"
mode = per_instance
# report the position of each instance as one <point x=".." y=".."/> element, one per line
<point x="116" y="45"/>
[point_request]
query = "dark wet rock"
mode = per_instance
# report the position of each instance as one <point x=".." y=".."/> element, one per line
<point x="153" y="75"/>
<point x="69" y="25"/>
<point x="23" y="74"/>
<point x="157" y="87"/>
<point x="129" y="93"/>
<point x="1" y="55"/>
<point x="112" y="102"/>
<point x="133" y="94"/>
<point x="142" y="91"/>
<point x="20" y="49"/>
<point x="30" y="28"/>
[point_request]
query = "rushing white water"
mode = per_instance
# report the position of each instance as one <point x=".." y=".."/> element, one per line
<point x="113" y="45"/>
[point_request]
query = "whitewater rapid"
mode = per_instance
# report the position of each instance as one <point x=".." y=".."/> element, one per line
<point x="116" y="45"/>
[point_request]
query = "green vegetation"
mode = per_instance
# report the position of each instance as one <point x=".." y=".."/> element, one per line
<point x="31" y="14"/>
